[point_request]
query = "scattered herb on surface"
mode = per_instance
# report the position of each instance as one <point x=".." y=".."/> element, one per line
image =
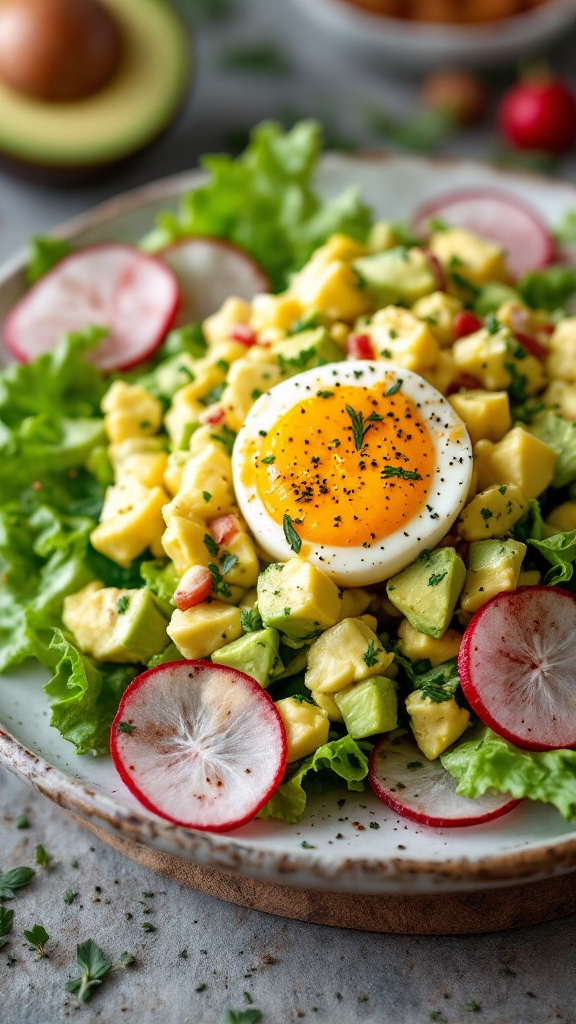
<point x="370" y="655"/>
<point x="22" y="822"/>
<point x="94" y="967"/>
<point x="12" y="881"/>
<point x="69" y="896"/>
<point x="148" y="927"/>
<point x="42" y="858"/>
<point x="201" y="987"/>
<point x="6" y="921"/>
<point x="37" y="937"/>
<point x="361" y="426"/>
<point x="403" y="474"/>
<point x="250" y="1016"/>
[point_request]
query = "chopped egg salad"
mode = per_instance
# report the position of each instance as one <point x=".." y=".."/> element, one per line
<point x="320" y="488"/>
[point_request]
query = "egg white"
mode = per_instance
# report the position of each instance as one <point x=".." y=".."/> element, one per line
<point x="354" y="565"/>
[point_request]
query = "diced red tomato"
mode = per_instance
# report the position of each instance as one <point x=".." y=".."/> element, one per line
<point x="465" y="323"/>
<point x="359" y="346"/>
<point x="213" y="415"/>
<point x="224" y="528"/>
<point x="194" y="587"/>
<point x="243" y="333"/>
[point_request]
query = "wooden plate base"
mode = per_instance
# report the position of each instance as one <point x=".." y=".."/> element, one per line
<point x="459" y="913"/>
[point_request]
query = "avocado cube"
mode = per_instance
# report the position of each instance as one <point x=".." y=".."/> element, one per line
<point x="298" y="599"/>
<point x="398" y="276"/>
<point x="203" y="629"/>
<point x="306" y="727"/>
<point x="369" y="707"/>
<point x="435" y="724"/>
<point x="347" y="653"/>
<point x="493" y="566"/>
<point x="428" y="590"/>
<point x="113" y="624"/>
<point x="493" y="295"/>
<point x="256" y="654"/>
<point x="306" y="350"/>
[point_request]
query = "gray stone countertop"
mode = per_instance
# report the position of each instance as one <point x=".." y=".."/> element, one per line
<point x="203" y="957"/>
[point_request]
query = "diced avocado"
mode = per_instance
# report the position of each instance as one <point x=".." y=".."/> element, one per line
<point x="398" y="276"/>
<point x="428" y="590"/>
<point x="493" y="566"/>
<point x="306" y="727"/>
<point x="293" y="661"/>
<point x="435" y="724"/>
<point x="298" y="599"/>
<point x="256" y="654"/>
<point x="369" y="707"/>
<point x="560" y="435"/>
<point x="113" y="624"/>
<point x="345" y="654"/>
<point x="306" y="350"/>
<point x="491" y="296"/>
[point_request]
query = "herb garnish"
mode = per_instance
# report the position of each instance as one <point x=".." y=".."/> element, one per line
<point x="242" y="1016"/>
<point x="42" y="858"/>
<point x="13" y="880"/>
<point x="206" y="495"/>
<point x="292" y="537"/>
<point x="94" y="967"/>
<point x="269" y="459"/>
<point x="360" y="426"/>
<point x="6" y="921"/>
<point x="123" y="603"/>
<point x="436" y="578"/>
<point x="37" y="938"/>
<point x="250" y="620"/>
<point x="211" y="545"/>
<point x="402" y="474"/>
<point x="125" y="727"/>
<point x="370" y="655"/>
<point x="395" y="387"/>
<point x="226" y="436"/>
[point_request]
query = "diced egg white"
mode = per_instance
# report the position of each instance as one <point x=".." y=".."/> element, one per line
<point x="355" y="466"/>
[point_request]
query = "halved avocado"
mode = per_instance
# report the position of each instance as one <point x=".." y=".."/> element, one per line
<point x="138" y="103"/>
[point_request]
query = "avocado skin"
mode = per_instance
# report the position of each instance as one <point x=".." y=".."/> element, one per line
<point x="256" y="654"/>
<point x="428" y="590"/>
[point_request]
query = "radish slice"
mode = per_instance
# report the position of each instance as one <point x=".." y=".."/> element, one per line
<point x="499" y="217"/>
<point x="108" y="285"/>
<point x="209" y="270"/>
<point x="517" y="666"/>
<point x="199" y="744"/>
<point x="424" y="791"/>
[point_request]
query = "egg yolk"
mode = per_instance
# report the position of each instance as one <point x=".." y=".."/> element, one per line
<point x="349" y="466"/>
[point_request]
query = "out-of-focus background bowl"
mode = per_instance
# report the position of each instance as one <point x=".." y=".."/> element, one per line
<point x="416" y="46"/>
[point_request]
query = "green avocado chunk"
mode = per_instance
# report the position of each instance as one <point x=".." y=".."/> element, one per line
<point x="428" y="590"/>
<point x="308" y="349"/>
<point x="493" y="295"/>
<point x="256" y="654"/>
<point x="118" y="625"/>
<point x="298" y="600"/>
<point x="369" y="707"/>
<point x="399" y="276"/>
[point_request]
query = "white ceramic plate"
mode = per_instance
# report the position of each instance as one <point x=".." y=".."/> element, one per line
<point x="342" y="851"/>
<point x="415" y="46"/>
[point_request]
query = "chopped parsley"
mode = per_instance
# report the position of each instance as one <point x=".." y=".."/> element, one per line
<point x="413" y="765"/>
<point x="250" y="620"/>
<point x="269" y="459"/>
<point x="123" y="603"/>
<point x="436" y="578"/>
<point x="42" y="858"/>
<point x="292" y="537"/>
<point x="395" y="387"/>
<point x="403" y="474"/>
<point x="370" y="655"/>
<point x="126" y="727"/>
<point x="226" y="436"/>
<point x="360" y="426"/>
<point x="6" y="922"/>
<point x="211" y="545"/>
<point x="486" y="513"/>
<point x="227" y="563"/>
<point x="69" y="896"/>
<point x="206" y="495"/>
<point x="324" y="394"/>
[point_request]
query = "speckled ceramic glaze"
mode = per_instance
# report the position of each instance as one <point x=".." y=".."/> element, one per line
<point x="353" y="844"/>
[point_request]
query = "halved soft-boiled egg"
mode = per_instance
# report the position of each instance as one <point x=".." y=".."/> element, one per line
<point x="355" y="466"/>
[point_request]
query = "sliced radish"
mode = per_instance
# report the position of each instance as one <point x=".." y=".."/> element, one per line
<point x="194" y="587"/>
<point x="424" y="791"/>
<point x="209" y="270"/>
<point x="517" y="666"/>
<point x="497" y="216"/>
<point x="199" y="744"/>
<point x="110" y="285"/>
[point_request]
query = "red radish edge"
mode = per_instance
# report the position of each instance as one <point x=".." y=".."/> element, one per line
<point x="23" y="352"/>
<point x="215" y="289"/>
<point x="442" y="781"/>
<point x="546" y="245"/>
<point x="469" y="673"/>
<point x="252" y="690"/>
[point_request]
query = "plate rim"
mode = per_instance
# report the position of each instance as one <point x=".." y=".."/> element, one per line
<point x="542" y="858"/>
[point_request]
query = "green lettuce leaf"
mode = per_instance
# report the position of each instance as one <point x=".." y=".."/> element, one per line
<point x="560" y="435"/>
<point x="487" y="761"/>
<point x="264" y="202"/>
<point x="330" y="765"/>
<point x="85" y="695"/>
<point x="162" y="579"/>
<point x="560" y="551"/>
<point x="45" y="254"/>
<point x="549" y="288"/>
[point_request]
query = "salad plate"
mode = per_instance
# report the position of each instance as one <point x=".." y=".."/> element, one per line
<point x="348" y="846"/>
